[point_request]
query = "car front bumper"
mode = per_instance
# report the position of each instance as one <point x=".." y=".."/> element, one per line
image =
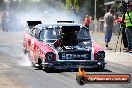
<point x="74" y="65"/>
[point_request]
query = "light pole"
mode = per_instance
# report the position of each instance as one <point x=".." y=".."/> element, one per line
<point x="95" y="11"/>
<point x="95" y="19"/>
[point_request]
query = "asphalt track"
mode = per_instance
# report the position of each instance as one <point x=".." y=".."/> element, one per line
<point x="16" y="70"/>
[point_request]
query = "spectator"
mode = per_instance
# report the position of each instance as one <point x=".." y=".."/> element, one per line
<point x="87" y="21"/>
<point x="128" y="20"/>
<point x="120" y="20"/>
<point x="14" y="22"/>
<point x="5" y="22"/>
<point x="108" y="27"/>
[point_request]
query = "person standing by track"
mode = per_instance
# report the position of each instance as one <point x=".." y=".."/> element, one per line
<point x="108" y="27"/>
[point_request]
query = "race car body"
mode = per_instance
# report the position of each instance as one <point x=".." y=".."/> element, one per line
<point x="63" y="46"/>
<point x="28" y="34"/>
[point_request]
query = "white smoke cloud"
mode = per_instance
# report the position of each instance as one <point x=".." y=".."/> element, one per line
<point x="46" y="12"/>
<point x="24" y="61"/>
<point x="16" y="51"/>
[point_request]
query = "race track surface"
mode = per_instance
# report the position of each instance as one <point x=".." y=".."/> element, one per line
<point x="16" y="70"/>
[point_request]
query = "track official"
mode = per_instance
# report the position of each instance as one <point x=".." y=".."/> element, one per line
<point x="128" y="21"/>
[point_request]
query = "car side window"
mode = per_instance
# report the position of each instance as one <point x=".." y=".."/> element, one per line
<point x="83" y="33"/>
<point x="42" y="35"/>
<point x="37" y="31"/>
<point x="33" y="32"/>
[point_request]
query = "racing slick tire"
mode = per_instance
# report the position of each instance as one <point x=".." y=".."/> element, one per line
<point x="40" y="64"/>
<point x="100" y="68"/>
<point x="25" y="51"/>
<point x="49" y="69"/>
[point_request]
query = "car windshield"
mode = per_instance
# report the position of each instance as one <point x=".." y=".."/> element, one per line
<point x="83" y="34"/>
<point x="53" y="34"/>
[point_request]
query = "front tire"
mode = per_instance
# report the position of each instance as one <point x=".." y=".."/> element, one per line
<point x="49" y="69"/>
<point x="100" y="68"/>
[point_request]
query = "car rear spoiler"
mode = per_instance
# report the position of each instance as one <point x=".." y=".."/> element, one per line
<point x="31" y="24"/>
<point x="65" y="21"/>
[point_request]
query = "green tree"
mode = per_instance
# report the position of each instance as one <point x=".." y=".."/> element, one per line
<point x="76" y="5"/>
<point x="68" y="4"/>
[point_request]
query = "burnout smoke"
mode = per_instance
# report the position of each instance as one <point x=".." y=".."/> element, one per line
<point x="17" y="52"/>
<point x="50" y="15"/>
<point x="24" y="61"/>
<point x="46" y="12"/>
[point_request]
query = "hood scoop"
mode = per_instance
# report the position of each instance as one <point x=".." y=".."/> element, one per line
<point x="67" y="37"/>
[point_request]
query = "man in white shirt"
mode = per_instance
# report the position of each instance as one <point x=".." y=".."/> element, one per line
<point x="108" y="26"/>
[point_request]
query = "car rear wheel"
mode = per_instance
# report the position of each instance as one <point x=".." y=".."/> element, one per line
<point x="40" y="64"/>
<point x="36" y="65"/>
<point x="25" y="51"/>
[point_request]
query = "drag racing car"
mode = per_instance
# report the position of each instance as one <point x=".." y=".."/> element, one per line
<point x="62" y="46"/>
